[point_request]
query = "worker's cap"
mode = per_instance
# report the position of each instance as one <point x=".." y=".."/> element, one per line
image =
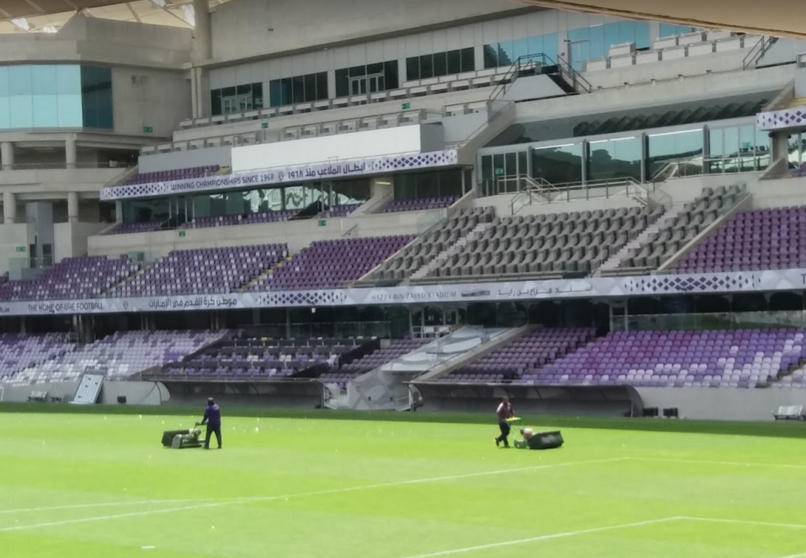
<point x="210" y="401"/>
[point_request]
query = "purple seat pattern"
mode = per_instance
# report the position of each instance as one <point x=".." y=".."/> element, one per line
<point x="735" y="358"/>
<point x="120" y="355"/>
<point x="131" y="228"/>
<point x="203" y="271"/>
<point x="524" y="356"/>
<point x="171" y="175"/>
<point x="396" y="349"/>
<point x="752" y="240"/>
<point x="248" y="219"/>
<point x="19" y="351"/>
<point x="419" y="204"/>
<point x="267" y="359"/>
<point x="72" y="278"/>
<point x="328" y="264"/>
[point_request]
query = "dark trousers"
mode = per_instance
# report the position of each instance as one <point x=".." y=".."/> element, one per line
<point x="504" y="426"/>
<point x="210" y="430"/>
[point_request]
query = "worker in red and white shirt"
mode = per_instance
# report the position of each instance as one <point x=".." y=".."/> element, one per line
<point x="504" y="412"/>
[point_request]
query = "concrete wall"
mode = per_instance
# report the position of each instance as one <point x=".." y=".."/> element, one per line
<point x="13" y="236"/>
<point x="251" y="28"/>
<point x="186" y="159"/>
<point x="42" y="183"/>
<point x="778" y="193"/>
<point x="136" y="393"/>
<point x="296" y="234"/>
<point x="785" y="51"/>
<point x="372" y="143"/>
<point x="71" y="238"/>
<point x="159" y="99"/>
<point x="800" y="83"/>
<point x="105" y="41"/>
<point x="533" y="87"/>
<point x="723" y="403"/>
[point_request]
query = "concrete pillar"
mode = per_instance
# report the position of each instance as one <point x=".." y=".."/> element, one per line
<point x="72" y="207"/>
<point x="779" y="145"/>
<point x="202" y="34"/>
<point x="118" y="211"/>
<point x="9" y="207"/>
<point x="7" y="155"/>
<point x="70" y="151"/>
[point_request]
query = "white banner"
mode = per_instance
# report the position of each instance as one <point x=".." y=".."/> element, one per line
<point x="283" y="175"/>
<point x="593" y="287"/>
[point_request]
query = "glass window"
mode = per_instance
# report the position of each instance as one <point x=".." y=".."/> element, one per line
<point x="413" y="68"/>
<point x="686" y="147"/>
<point x="559" y="164"/>
<point x="310" y="87"/>
<point x="454" y="62"/>
<point x="342" y="82"/>
<point x="491" y="56"/>
<point x="390" y="75"/>
<point x="426" y="66"/>
<point x="670" y="30"/>
<point x="506" y="56"/>
<point x="440" y="64"/>
<point x="321" y="86"/>
<point x="215" y="102"/>
<point x="551" y="46"/>
<point x="597" y="41"/>
<point x="468" y="57"/>
<point x="618" y="158"/>
<point x="520" y="48"/>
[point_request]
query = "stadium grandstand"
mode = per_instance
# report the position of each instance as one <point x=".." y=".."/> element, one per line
<point x="345" y="235"/>
<point x="468" y="199"/>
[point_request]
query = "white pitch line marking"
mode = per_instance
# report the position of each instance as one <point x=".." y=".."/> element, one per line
<point x="103" y="505"/>
<point x="305" y="494"/>
<point x="795" y="556"/>
<point x="730" y="463"/>
<point x="564" y="535"/>
<point x="746" y="522"/>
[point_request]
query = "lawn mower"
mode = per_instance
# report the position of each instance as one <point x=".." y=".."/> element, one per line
<point x="182" y="439"/>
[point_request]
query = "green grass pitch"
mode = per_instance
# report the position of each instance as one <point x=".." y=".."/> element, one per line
<point x="95" y="486"/>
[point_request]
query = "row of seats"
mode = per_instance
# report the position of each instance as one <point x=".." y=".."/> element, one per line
<point x="675" y="233"/>
<point x="752" y="240"/>
<point x="118" y="356"/>
<point x="564" y="242"/>
<point x="432" y="243"/>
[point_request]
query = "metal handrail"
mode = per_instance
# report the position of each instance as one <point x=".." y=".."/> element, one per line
<point x="672" y="167"/>
<point x="758" y="50"/>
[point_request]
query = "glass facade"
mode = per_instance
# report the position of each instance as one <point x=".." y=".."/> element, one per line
<point x="371" y="78"/>
<point x="232" y="100"/>
<point x="797" y="150"/>
<point x="730" y="146"/>
<point x="738" y="149"/>
<point x="428" y="184"/>
<point x="559" y="164"/>
<point x="440" y="64"/>
<point x="595" y="42"/>
<point x="244" y="202"/>
<point x="685" y="145"/>
<point x="670" y="30"/>
<point x="615" y="158"/>
<point x="55" y="96"/>
<point x="507" y="52"/>
<point x="298" y="89"/>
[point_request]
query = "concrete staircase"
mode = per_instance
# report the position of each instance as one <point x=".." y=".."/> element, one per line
<point x="614" y="262"/>
<point x="443" y="256"/>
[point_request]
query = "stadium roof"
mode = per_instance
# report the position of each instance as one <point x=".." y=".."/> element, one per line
<point x="774" y="17"/>
<point x="49" y="15"/>
<point x="780" y="18"/>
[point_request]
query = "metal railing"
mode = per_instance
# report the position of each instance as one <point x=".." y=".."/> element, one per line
<point x="535" y="191"/>
<point x="700" y="166"/>
<point x="109" y="165"/>
<point x="758" y="50"/>
<point x="709" y="321"/>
